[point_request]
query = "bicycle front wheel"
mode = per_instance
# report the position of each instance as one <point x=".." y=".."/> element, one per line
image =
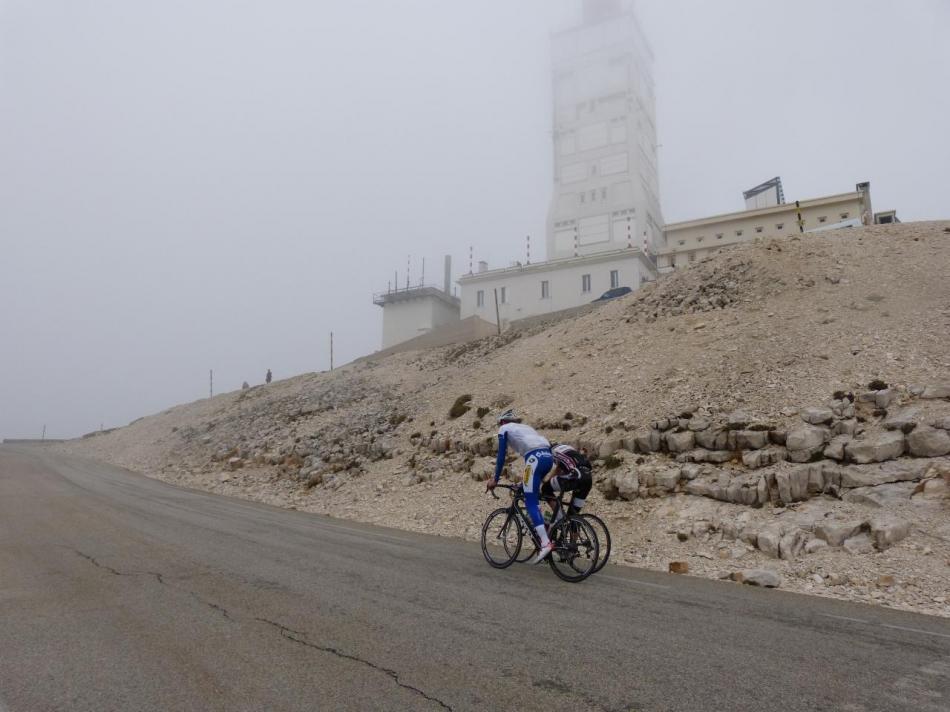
<point x="575" y="549"/>
<point x="501" y="538"/>
<point x="603" y="539"/>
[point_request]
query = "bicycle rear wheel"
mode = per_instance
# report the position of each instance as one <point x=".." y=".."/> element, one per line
<point x="603" y="539"/>
<point x="575" y="549"/>
<point x="501" y="538"/>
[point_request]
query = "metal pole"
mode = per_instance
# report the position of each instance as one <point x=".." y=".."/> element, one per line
<point x="422" y="279"/>
<point x="43" y="437"/>
<point x="497" y="316"/>
<point x="211" y="383"/>
<point x="331" y="350"/>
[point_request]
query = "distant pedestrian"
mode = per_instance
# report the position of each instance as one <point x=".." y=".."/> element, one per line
<point x="267" y="377"/>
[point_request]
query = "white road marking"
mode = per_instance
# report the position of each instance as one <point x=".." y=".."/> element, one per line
<point x="915" y="630"/>
<point x="843" y="618"/>
<point x="886" y="625"/>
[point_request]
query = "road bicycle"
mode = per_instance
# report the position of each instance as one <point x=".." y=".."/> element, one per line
<point x="560" y="506"/>
<point x="576" y="547"/>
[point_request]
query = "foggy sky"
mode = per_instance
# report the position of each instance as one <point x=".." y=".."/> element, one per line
<point x="197" y="184"/>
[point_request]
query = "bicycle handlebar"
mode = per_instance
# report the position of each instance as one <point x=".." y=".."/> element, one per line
<point x="507" y="487"/>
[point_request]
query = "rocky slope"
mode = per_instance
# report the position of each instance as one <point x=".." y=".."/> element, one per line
<point x="784" y="405"/>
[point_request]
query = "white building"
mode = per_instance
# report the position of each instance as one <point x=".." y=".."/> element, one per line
<point x="605" y="229"/>
<point x="604" y="222"/>
<point x="606" y="183"/>
<point x="693" y="240"/>
<point x="529" y="290"/>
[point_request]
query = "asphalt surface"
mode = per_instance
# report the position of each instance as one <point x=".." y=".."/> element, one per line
<point x="118" y="592"/>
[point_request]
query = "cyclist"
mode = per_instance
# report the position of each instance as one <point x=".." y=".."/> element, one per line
<point x="536" y="451"/>
<point x="571" y="473"/>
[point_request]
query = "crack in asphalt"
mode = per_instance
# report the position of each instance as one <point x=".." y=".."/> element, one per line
<point x="300" y="638"/>
<point x="289" y="633"/>
<point x="116" y="572"/>
<point x="158" y="577"/>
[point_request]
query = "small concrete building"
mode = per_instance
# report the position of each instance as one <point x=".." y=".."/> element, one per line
<point x="414" y="311"/>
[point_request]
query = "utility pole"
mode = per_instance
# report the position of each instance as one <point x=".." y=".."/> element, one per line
<point x="331" y="350"/>
<point x="497" y="316"/>
<point x="211" y="383"/>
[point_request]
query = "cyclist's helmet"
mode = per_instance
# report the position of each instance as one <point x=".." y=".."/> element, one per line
<point x="562" y="455"/>
<point x="507" y="417"/>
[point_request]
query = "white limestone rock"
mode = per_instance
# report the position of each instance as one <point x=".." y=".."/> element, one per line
<point x="881" y="495"/>
<point x="817" y="416"/>
<point x="680" y="442"/>
<point x="887" y="531"/>
<point x="871" y="475"/>
<point x="904" y="420"/>
<point x="836" y="532"/>
<point x="836" y="448"/>
<point x="758" y="577"/>
<point x="750" y="439"/>
<point x="941" y="390"/>
<point x="925" y="441"/>
<point x="859" y="544"/>
<point x="878" y="448"/>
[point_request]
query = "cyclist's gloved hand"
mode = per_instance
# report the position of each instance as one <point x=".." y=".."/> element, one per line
<point x="490" y="485"/>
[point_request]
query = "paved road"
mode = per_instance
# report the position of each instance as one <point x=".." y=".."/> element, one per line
<point x="122" y="593"/>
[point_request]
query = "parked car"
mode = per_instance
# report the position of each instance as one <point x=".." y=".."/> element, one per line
<point x="612" y="294"/>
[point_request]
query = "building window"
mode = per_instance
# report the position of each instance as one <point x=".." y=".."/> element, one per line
<point x="822" y="219"/>
<point x="545" y="289"/>
<point x="758" y="229"/>
<point x="738" y="233"/>
<point x="682" y="242"/>
<point x="718" y="235"/>
<point x="692" y="256"/>
<point x="585" y="283"/>
<point x="780" y="226"/>
<point x="844" y="216"/>
<point x="603" y="194"/>
<point x="480" y="298"/>
<point x="699" y="239"/>
<point x="614" y="278"/>
<point x="583" y="197"/>
<point x="504" y="295"/>
<point x="593" y="196"/>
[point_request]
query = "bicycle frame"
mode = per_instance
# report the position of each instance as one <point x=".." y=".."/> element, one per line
<point x="517" y="507"/>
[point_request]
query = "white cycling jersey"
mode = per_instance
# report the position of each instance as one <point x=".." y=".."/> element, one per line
<point x="522" y="438"/>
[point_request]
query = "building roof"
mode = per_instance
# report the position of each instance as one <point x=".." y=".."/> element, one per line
<point x="421" y="292"/>
<point x="772" y="210"/>
<point x="561" y="263"/>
